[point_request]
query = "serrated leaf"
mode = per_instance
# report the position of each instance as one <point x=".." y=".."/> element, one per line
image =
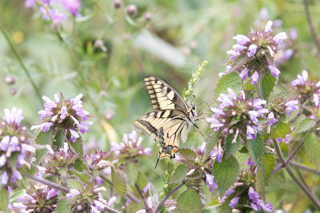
<point x="179" y="173"/>
<point x="269" y="164"/>
<point x="79" y="165"/>
<point x="312" y="147"/>
<point x="256" y="149"/>
<point x="189" y="202"/>
<point x="225" y="173"/>
<point x="59" y="139"/>
<point x="4" y="199"/>
<point x="12" y="160"/>
<point x="78" y="146"/>
<point x="230" y="147"/>
<point x="43" y="138"/>
<point x="132" y="173"/>
<point x="238" y="62"/>
<point x="231" y="80"/>
<point x="142" y="180"/>
<point x="260" y="179"/>
<point x="211" y="143"/>
<point x="281" y="130"/>
<point x="134" y="207"/>
<point x="75" y="184"/>
<point x="118" y="182"/>
<point x="248" y="85"/>
<point x="83" y="176"/>
<point x="268" y="82"/>
<point x="305" y="125"/>
<point x="188" y="154"/>
<point x="63" y="206"/>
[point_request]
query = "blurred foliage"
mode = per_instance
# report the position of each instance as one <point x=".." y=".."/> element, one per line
<point x="179" y="36"/>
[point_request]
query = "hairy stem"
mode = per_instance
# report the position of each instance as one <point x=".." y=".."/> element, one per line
<point x="48" y="183"/>
<point x="311" y="28"/>
<point x="26" y="71"/>
<point x="128" y="194"/>
<point x="303" y="167"/>
<point x="310" y="195"/>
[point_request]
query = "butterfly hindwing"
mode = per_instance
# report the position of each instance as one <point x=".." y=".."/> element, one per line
<point x="163" y="96"/>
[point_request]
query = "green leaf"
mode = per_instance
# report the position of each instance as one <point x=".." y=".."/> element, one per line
<point x="75" y="184"/>
<point x="83" y="176"/>
<point x="32" y="171"/>
<point x="260" y="179"/>
<point x="132" y="173"/>
<point x="281" y="130"/>
<point x="59" y="139"/>
<point x="4" y="199"/>
<point x="231" y="80"/>
<point x="225" y="208"/>
<point x="187" y="153"/>
<point x="248" y="85"/>
<point x="256" y="149"/>
<point x="63" y="206"/>
<point x="142" y="180"/>
<point x="179" y="173"/>
<point x="78" y="146"/>
<point x="189" y="202"/>
<point x="211" y="143"/>
<point x="12" y="160"/>
<point x="230" y="147"/>
<point x="312" y="147"/>
<point x="43" y="138"/>
<point x="269" y="164"/>
<point x="79" y="165"/>
<point x="268" y="82"/>
<point x="238" y="62"/>
<point x="305" y="125"/>
<point x="225" y="173"/>
<point x="118" y="182"/>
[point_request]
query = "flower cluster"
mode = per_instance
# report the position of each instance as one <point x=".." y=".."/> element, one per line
<point x="130" y="147"/>
<point x="66" y="115"/>
<point x="15" y="148"/>
<point x="51" y="7"/>
<point x="236" y="114"/>
<point x="38" y="199"/>
<point x="257" y="46"/>
<point x="304" y="87"/>
<point x="91" y="201"/>
<point x="101" y="160"/>
<point x="256" y="203"/>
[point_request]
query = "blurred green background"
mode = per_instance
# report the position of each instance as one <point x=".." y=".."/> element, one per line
<point x="172" y="44"/>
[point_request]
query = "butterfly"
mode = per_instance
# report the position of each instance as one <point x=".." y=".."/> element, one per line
<point x="170" y="120"/>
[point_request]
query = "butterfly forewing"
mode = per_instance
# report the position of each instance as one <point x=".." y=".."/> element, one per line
<point x="163" y="96"/>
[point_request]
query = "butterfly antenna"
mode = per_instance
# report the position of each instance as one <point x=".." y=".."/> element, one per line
<point x="200" y="132"/>
<point x="204" y="102"/>
<point x="157" y="162"/>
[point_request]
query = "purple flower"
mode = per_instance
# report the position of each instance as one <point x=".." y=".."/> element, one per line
<point x="267" y="208"/>
<point x="30" y="3"/>
<point x="293" y="34"/>
<point x="225" y="101"/>
<point x="40" y="171"/>
<point x="5" y="143"/>
<point x="14" y="144"/>
<point x="234" y="202"/>
<point x="74" y="135"/>
<point x="280" y="37"/>
<point x="301" y="79"/>
<point x="57" y="16"/>
<point x="210" y="183"/>
<point x="72" y="193"/>
<point x="63" y="112"/>
<point x="241" y="39"/>
<point x="291" y="105"/>
<point x="3" y="160"/>
<point x="46" y="126"/>
<point x="274" y="71"/>
<point x="253" y="195"/>
<point x="133" y="136"/>
<point x="258" y="102"/>
<point x="15" y="116"/>
<point x="49" y="103"/>
<point x="252" y="50"/>
<point x="273" y="120"/>
<point x="315" y="99"/>
<point x="51" y="193"/>
<point x="20" y="206"/>
<point x="264" y="13"/>
<point x="83" y="127"/>
<point x="99" y="205"/>
<point x="147" y="151"/>
<point x="98" y="180"/>
<point x="45" y="113"/>
<point x="253" y="116"/>
<point x="288" y="53"/>
<point x="254" y="78"/>
<point x="4" y="178"/>
<point x="73" y="6"/>
<point x="217" y="111"/>
<point x="111" y="200"/>
<point x="268" y="26"/>
<point x="251" y="132"/>
<point x="15" y="175"/>
<point x="233" y="54"/>
<point x="249" y="162"/>
<point x="255" y="207"/>
<point x="214" y="123"/>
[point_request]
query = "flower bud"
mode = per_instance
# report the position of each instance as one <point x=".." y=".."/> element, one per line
<point x="147" y="16"/>
<point x="13" y="91"/>
<point x="10" y="79"/>
<point x="117" y="3"/>
<point x="131" y="10"/>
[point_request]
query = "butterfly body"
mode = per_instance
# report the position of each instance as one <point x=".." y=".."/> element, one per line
<point x="170" y="120"/>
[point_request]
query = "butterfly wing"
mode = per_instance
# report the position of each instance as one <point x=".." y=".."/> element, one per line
<point x="166" y="126"/>
<point x="163" y="96"/>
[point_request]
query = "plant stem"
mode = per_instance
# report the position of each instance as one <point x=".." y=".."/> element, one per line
<point x="48" y="183"/>
<point x="21" y="63"/>
<point x="289" y="158"/>
<point x="141" y="195"/>
<point x="310" y="195"/>
<point x="168" y="195"/>
<point x="303" y="167"/>
<point x="128" y="194"/>
<point x="311" y="28"/>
